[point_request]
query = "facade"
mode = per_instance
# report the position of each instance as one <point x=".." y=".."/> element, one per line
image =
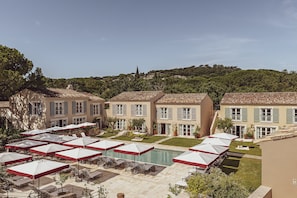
<point x="134" y="105"/>
<point x="184" y="114"/>
<point x="30" y="109"/>
<point x="259" y="114"/>
<point x="279" y="163"/>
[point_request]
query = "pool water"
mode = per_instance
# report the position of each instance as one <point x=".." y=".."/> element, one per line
<point x="155" y="156"/>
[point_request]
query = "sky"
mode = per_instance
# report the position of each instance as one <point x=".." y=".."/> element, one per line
<point x="96" y="38"/>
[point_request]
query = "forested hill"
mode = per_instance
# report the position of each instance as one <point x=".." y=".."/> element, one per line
<point x="214" y="80"/>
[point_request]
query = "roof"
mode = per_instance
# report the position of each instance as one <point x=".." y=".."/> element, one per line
<point x="137" y="96"/>
<point x="185" y="98"/>
<point x="67" y="93"/>
<point x="260" y="98"/>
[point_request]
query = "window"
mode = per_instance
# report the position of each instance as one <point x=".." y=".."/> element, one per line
<point x="164" y="113"/>
<point x="266" y="115"/>
<point x="186" y="130"/>
<point x="96" y="109"/>
<point x="79" y="120"/>
<point x="120" y="124"/>
<point x="263" y="131"/>
<point x="238" y="130"/>
<point x="35" y="108"/>
<point x="236" y="114"/>
<point x="295" y="115"/>
<point x="120" y="110"/>
<point x="139" y="110"/>
<point x="79" y="107"/>
<point x="186" y="114"/>
<point x="59" y="108"/>
<point x="60" y="123"/>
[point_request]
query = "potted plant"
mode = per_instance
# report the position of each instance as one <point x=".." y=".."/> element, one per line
<point x="196" y="133"/>
<point x="175" y="130"/>
<point x="155" y="128"/>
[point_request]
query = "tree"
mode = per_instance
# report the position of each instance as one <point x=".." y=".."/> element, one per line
<point x="225" y="124"/>
<point x="216" y="184"/>
<point x="15" y="72"/>
<point x="137" y="123"/>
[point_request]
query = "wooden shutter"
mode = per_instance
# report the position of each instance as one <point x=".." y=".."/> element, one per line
<point x="124" y="109"/>
<point x="158" y="113"/>
<point x="91" y="109"/>
<point x="289" y="115"/>
<point x="65" y="108"/>
<point x="52" y="108"/>
<point x="144" y="108"/>
<point x="85" y="106"/>
<point x="275" y="115"/>
<point x="73" y="107"/>
<point x="228" y="113"/>
<point x="169" y="113"/>
<point x="193" y="112"/>
<point x="256" y="115"/>
<point x="244" y="114"/>
<point x="114" y="110"/>
<point x="179" y="113"/>
<point x="133" y="110"/>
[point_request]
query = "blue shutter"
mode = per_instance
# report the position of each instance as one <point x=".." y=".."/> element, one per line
<point x="275" y="115"/>
<point x="289" y="115"/>
<point x="244" y="114"/>
<point x="65" y="108"/>
<point x="52" y="108"/>
<point x="256" y="115"/>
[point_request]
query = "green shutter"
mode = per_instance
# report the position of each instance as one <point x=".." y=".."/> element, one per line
<point x="85" y="106"/>
<point x="244" y="114"/>
<point x="289" y="115"/>
<point x="144" y="108"/>
<point x="124" y="109"/>
<point x="133" y="110"/>
<point x="256" y="115"/>
<point x="158" y="113"/>
<point x="228" y="113"/>
<point x="275" y="115"/>
<point x="114" y="110"/>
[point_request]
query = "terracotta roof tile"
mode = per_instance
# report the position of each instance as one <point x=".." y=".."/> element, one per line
<point x="260" y="98"/>
<point x="137" y="96"/>
<point x="70" y="93"/>
<point x="186" y="98"/>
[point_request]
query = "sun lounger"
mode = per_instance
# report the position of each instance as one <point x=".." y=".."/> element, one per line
<point x="92" y="175"/>
<point x="120" y="163"/>
<point x="147" y="168"/>
<point x="19" y="181"/>
<point x="137" y="139"/>
<point x="182" y="183"/>
<point x="108" y="162"/>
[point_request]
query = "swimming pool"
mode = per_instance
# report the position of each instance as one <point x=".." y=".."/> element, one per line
<point x="155" y="156"/>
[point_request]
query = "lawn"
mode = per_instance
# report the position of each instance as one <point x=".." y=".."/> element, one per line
<point x="184" y="142"/>
<point x="254" y="149"/>
<point x="246" y="170"/>
<point x="108" y="134"/>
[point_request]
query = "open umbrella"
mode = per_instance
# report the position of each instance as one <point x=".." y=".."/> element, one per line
<point x="37" y="169"/>
<point x="209" y="148"/>
<point x="52" y="138"/>
<point x="13" y="157"/>
<point x="49" y="149"/>
<point x="24" y="144"/>
<point x="224" y="136"/>
<point x="134" y="149"/>
<point x="193" y="158"/>
<point x="77" y="154"/>
<point x="104" y="145"/>
<point x="81" y="142"/>
<point x="34" y="132"/>
<point x="217" y="141"/>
